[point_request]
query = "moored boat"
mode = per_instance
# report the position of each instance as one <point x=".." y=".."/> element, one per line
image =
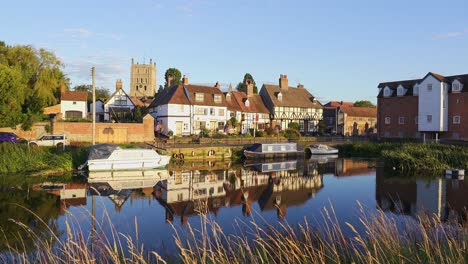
<point x="108" y="157"/>
<point x="320" y="149"/>
<point x="272" y="150"/>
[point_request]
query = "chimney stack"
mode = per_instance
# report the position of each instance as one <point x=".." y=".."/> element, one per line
<point x="250" y="88"/>
<point x="283" y="82"/>
<point x="341" y="103"/>
<point x="170" y="78"/>
<point x="185" y="80"/>
<point x="301" y="86"/>
<point x="118" y="85"/>
<point x="218" y="86"/>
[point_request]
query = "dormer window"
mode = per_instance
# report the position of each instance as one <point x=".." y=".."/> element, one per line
<point x="400" y="90"/>
<point x="314" y="100"/>
<point x="199" y="97"/>
<point x="280" y="96"/>
<point x="456" y="86"/>
<point x="247" y="103"/>
<point x="387" y="92"/>
<point x="217" y="98"/>
<point x="228" y="97"/>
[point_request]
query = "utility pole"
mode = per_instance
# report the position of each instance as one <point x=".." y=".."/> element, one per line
<point x="93" y="73"/>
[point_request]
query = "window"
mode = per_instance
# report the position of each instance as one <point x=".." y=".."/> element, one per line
<point x="145" y="87"/>
<point x="429" y="118"/>
<point x="456" y="119"/>
<point x="456" y="87"/>
<point x="401" y="120"/>
<point x="387" y="91"/>
<point x="180" y="197"/>
<point x="429" y="87"/>
<point x="74" y="102"/>
<point x="220" y="125"/>
<point x="387" y="120"/>
<point x="247" y="103"/>
<point x="217" y="98"/>
<point x="200" y="125"/>
<point x="185" y="127"/>
<point x="199" y="97"/>
<point x="120" y="100"/>
<point x="200" y="111"/>
<point x="221" y="112"/>
<point x="228" y="97"/>
<point x="280" y="97"/>
<point x="212" y="111"/>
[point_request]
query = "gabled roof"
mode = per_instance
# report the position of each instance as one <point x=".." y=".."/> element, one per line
<point x="74" y="96"/>
<point x="137" y="102"/>
<point x="185" y="94"/>
<point x="120" y="89"/>
<point x="359" y="111"/>
<point x="232" y="104"/>
<point x="256" y="104"/>
<point x="338" y="104"/>
<point x="293" y="97"/>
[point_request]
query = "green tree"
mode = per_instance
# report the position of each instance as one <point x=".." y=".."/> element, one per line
<point x="364" y="103"/>
<point x="321" y="127"/>
<point x="242" y="86"/>
<point x="174" y="74"/>
<point x="101" y="92"/>
<point x="294" y="125"/>
<point x="12" y="93"/>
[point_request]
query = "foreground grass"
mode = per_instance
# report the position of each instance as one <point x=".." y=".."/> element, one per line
<point x="381" y="240"/>
<point x="19" y="158"/>
<point x="411" y="157"/>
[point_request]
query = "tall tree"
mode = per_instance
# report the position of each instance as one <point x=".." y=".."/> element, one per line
<point x="173" y="74"/>
<point x="242" y="86"/>
<point x="364" y="103"/>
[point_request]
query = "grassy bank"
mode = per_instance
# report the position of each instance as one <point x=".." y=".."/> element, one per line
<point x="19" y="158"/>
<point x="410" y="157"/>
<point x="380" y="240"/>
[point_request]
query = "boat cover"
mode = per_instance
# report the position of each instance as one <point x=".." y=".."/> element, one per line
<point x="101" y="151"/>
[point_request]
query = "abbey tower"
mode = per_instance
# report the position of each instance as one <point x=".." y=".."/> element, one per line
<point x="143" y="79"/>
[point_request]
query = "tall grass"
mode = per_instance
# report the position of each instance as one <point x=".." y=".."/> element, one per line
<point x="379" y="240"/>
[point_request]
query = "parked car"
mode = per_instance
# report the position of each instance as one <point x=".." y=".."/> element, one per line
<point x="9" y="137"/>
<point x="59" y="141"/>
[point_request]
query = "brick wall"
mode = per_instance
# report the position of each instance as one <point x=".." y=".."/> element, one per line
<point x="105" y="132"/>
<point x="457" y="103"/>
<point x="396" y="107"/>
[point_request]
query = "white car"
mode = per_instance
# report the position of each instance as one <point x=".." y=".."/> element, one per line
<point x="59" y="141"/>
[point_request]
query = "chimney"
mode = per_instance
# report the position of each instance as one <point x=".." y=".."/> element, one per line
<point x="250" y="88"/>
<point x="218" y="86"/>
<point x="118" y="85"/>
<point x="185" y="80"/>
<point x="170" y="78"/>
<point x="283" y="82"/>
<point x="341" y="103"/>
<point x="301" y="86"/>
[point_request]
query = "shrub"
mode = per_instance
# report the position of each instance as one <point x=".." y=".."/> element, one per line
<point x="294" y="125"/>
<point x="292" y="134"/>
<point x="204" y="132"/>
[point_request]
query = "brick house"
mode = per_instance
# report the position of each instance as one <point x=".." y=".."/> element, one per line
<point x="428" y="108"/>
<point x="290" y="104"/>
<point x="346" y="119"/>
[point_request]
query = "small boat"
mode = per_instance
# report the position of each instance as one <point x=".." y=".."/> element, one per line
<point x="272" y="150"/>
<point x="322" y="159"/>
<point x="108" y="157"/>
<point x="320" y="149"/>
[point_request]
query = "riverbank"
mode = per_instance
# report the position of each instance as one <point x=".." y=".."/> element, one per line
<point x="410" y="157"/>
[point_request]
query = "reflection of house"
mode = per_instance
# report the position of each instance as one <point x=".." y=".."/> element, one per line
<point x="186" y="109"/>
<point x="346" y="119"/>
<point x="74" y="104"/>
<point x="119" y="106"/>
<point x="290" y="104"/>
<point x="248" y="109"/>
<point x="71" y="194"/>
<point x="417" y="197"/>
<point x="351" y="167"/>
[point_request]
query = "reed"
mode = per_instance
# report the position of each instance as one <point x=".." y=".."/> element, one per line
<point x="376" y="239"/>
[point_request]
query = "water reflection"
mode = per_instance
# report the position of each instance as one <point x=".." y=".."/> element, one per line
<point x="444" y="198"/>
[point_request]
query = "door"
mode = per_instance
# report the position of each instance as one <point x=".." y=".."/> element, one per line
<point x="178" y="130"/>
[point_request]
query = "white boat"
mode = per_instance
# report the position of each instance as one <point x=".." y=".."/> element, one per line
<point x="107" y="157"/>
<point x="320" y="149"/>
<point x="121" y="180"/>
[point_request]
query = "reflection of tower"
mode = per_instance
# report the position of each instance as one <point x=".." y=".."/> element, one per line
<point x="430" y="197"/>
<point x="143" y="79"/>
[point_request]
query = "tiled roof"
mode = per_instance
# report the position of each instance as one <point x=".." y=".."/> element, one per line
<point x="185" y="94"/>
<point x="232" y="104"/>
<point x="338" y="104"/>
<point x="409" y="84"/>
<point x="256" y="104"/>
<point x="293" y="97"/>
<point x="54" y="109"/>
<point x="359" y="111"/>
<point x="137" y="102"/>
<point x="74" y="96"/>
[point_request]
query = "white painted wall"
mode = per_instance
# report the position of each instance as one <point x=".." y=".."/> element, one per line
<point x="74" y="106"/>
<point x="112" y="103"/>
<point x="433" y="103"/>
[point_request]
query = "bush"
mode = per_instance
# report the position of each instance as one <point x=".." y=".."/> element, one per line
<point x="170" y="133"/>
<point x="294" y="126"/>
<point x="261" y="134"/>
<point x="204" y="132"/>
<point x="247" y="135"/>
<point x="292" y="134"/>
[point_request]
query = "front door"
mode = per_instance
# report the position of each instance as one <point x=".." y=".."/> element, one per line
<point x="178" y="131"/>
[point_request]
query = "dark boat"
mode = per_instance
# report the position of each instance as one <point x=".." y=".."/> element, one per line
<point x="272" y="150"/>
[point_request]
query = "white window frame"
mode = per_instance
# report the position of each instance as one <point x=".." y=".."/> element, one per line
<point x="456" y="120"/>
<point x="217" y="99"/>
<point x="456" y="87"/>
<point x="429" y="87"/>
<point x="401" y="120"/>
<point x="388" y="120"/>
<point x="429" y="118"/>
<point x="387" y="92"/>
<point x="199" y="97"/>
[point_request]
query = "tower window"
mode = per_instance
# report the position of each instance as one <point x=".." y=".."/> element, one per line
<point x="137" y="87"/>
<point x="145" y="87"/>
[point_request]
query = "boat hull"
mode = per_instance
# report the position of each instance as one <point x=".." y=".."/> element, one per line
<point x="129" y="164"/>
<point x="323" y="152"/>
<point x="259" y="155"/>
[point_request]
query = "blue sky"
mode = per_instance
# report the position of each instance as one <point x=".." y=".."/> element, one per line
<point x="340" y="50"/>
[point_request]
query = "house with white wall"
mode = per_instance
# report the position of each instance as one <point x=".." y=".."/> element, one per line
<point x="74" y="104"/>
<point x="119" y="106"/>
<point x="186" y="109"/>
<point x="99" y="110"/>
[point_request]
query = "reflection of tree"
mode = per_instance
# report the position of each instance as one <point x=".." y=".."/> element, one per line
<point x="13" y="215"/>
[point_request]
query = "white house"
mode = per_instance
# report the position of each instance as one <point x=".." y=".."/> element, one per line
<point x="433" y="104"/>
<point x="99" y="110"/>
<point x="73" y="104"/>
<point x="186" y="109"/>
<point x="119" y="106"/>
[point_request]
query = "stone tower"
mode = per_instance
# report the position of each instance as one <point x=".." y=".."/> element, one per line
<point x="143" y="79"/>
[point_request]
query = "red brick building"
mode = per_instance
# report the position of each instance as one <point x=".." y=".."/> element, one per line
<point x="435" y="106"/>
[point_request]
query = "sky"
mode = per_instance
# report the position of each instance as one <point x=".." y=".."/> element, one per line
<point x="339" y="50"/>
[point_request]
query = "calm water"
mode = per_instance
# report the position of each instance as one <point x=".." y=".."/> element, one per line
<point x="161" y="201"/>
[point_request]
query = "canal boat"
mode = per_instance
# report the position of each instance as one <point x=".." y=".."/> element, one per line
<point x="108" y="157"/>
<point x="272" y="150"/>
<point x="320" y="149"/>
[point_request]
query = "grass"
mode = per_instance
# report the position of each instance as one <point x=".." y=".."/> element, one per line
<point x="380" y="240"/>
<point x="410" y="158"/>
